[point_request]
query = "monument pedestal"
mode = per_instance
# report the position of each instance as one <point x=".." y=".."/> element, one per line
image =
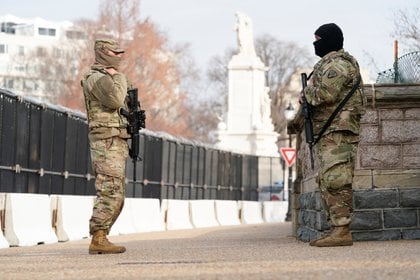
<point x="260" y="143"/>
<point x="249" y="127"/>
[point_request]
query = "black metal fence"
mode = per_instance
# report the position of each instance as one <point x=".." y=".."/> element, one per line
<point x="44" y="149"/>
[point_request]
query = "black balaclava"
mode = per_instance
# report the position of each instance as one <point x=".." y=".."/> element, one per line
<point x="331" y="39"/>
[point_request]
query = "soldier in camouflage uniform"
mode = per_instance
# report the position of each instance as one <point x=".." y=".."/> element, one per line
<point x="105" y="90"/>
<point x="333" y="78"/>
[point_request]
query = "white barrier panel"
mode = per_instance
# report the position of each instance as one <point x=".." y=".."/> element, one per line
<point x="72" y="216"/>
<point x="178" y="215"/>
<point x="251" y="212"/>
<point x="227" y="212"/>
<point x="28" y="220"/>
<point x="124" y="223"/>
<point x="164" y="210"/>
<point x="274" y="211"/>
<point x="203" y="213"/>
<point x="139" y="215"/>
<point x="146" y="214"/>
<point x="3" y="241"/>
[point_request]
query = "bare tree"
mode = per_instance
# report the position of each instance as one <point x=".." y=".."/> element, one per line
<point x="407" y="27"/>
<point x="153" y="67"/>
<point x="284" y="60"/>
<point x="151" y="63"/>
<point x="202" y="106"/>
<point x="209" y="103"/>
<point x="217" y="75"/>
<point x="118" y="17"/>
<point x="406" y="30"/>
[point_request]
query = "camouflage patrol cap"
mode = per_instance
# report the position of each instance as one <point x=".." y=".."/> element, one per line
<point x="109" y="44"/>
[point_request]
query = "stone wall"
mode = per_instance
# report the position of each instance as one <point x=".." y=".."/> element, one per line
<point x="386" y="185"/>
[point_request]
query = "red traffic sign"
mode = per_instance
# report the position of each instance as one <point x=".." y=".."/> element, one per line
<point x="289" y="155"/>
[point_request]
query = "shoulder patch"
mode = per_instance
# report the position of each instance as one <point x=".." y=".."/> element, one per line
<point x="331" y="74"/>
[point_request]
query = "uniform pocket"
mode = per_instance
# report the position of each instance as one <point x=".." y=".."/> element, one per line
<point x="109" y="156"/>
<point x="338" y="176"/>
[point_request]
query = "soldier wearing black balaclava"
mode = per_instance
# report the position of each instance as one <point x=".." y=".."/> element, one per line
<point x="334" y="76"/>
<point x="330" y="39"/>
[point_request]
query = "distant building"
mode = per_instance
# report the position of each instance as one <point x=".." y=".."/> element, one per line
<point x="21" y="41"/>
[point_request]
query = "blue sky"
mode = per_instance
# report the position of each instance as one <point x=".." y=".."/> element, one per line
<point x="208" y="24"/>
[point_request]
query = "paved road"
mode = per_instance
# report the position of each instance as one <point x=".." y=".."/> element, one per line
<point x="265" y="251"/>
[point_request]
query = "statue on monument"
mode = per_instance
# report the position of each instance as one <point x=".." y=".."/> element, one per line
<point x="243" y="28"/>
<point x="265" y="110"/>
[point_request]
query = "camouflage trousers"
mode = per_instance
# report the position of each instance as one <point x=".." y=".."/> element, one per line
<point x="337" y="151"/>
<point x="109" y="158"/>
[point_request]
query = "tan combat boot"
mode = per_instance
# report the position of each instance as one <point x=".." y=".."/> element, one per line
<point x="338" y="236"/>
<point x="101" y="245"/>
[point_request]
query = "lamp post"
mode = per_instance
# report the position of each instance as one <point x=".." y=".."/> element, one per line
<point x="289" y="114"/>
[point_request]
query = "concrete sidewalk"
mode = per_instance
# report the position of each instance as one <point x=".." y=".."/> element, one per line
<point x="265" y="251"/>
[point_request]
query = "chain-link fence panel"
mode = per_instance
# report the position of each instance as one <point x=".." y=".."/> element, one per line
<point x="405" y="71"/>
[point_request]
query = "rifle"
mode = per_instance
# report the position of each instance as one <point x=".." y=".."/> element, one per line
<point x="136" y="120"/>
<point x="307" y="113"/>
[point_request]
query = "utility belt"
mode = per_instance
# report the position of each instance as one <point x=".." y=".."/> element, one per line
<point x="99" y="133"/>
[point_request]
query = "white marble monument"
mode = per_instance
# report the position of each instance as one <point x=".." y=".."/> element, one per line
<point x="248" y="126"/>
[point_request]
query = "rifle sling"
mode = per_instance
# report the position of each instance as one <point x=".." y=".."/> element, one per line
<point x="337" y="110"/>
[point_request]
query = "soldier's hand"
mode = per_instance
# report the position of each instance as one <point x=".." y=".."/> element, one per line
<point x="301" y="97"/>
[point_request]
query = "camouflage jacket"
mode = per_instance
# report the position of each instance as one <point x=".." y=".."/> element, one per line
<point x="332" y="79"/>
<point x="104" y="96"/>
